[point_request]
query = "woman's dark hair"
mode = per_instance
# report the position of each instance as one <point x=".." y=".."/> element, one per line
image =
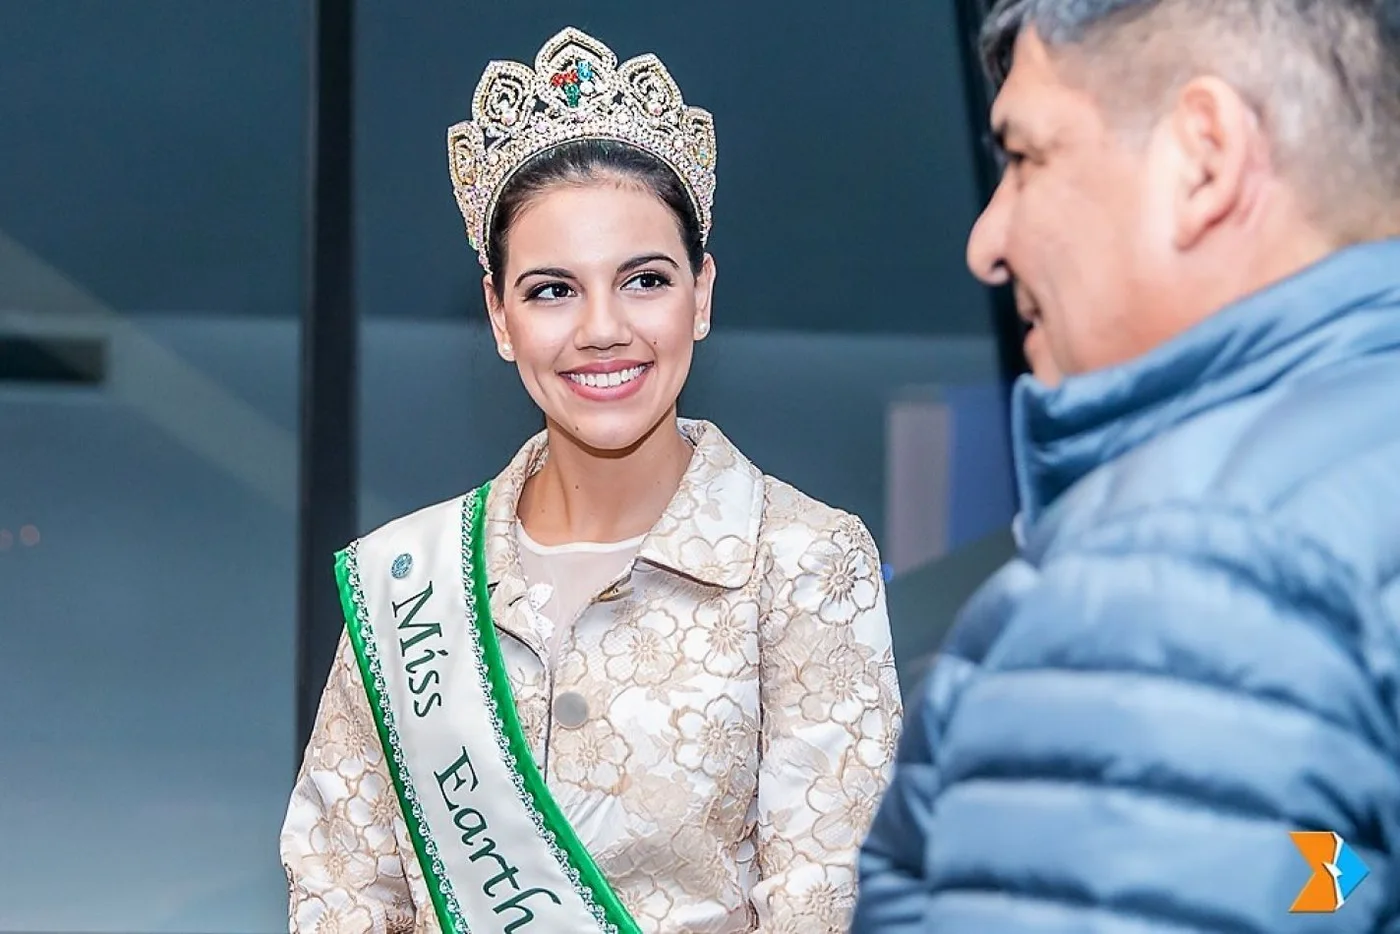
<point x="578" y="163"/>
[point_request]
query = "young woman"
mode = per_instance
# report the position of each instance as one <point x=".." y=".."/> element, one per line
<point x="631" y="684"/>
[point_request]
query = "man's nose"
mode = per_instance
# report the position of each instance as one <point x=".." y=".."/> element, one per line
<point x="986" y="244"/>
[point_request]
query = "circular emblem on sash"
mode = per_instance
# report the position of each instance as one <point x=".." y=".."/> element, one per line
<point x="401" y="566"/>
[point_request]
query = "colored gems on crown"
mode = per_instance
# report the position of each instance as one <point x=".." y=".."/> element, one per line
<point x="576" y="82"/>
<point x="576" y="91"/>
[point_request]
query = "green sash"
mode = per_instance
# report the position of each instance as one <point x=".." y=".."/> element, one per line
<point x="497" y="852"/>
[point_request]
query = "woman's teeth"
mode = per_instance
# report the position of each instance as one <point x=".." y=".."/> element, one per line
<point x="605" y="380"/>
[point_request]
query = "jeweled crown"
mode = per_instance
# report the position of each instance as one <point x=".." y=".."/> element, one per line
<point x="576" y="91"/>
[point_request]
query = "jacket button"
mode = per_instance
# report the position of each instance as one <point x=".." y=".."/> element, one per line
<point x="570" y="710"/>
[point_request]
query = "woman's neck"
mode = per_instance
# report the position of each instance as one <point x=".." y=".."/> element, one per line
<point x="581" y="495"/>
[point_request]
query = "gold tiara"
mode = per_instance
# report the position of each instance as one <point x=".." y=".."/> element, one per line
<point x="576" y="91"/>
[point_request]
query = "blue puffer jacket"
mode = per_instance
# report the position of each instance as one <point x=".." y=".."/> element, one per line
<point x="1197" y="651"/>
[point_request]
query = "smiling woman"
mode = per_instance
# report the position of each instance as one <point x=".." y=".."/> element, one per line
<point x="632" y="683"/>
<point x="601" y="293"/>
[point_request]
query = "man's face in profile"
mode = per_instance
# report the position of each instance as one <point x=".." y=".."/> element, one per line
<point x="1067" y="224"/>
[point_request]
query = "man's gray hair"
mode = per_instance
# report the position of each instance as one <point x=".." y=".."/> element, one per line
<point x="1323" y="75"/>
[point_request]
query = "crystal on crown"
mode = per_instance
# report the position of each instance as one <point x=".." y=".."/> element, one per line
<point x="576" y="91"/>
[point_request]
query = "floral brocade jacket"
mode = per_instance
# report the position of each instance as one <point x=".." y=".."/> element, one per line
<point x="741" y="716"/>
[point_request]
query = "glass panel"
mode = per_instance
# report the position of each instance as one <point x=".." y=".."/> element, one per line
<point x="151" y="192"/>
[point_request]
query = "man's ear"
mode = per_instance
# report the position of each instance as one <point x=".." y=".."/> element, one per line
<point x="1218" y="142"/>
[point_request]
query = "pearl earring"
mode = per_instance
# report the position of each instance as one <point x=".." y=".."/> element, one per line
<point x="506" y="350"/>
<point x="702" y="328"/>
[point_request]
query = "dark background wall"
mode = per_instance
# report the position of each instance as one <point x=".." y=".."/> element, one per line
<point x="844" y="161"/>
<point x="155" y="150"/>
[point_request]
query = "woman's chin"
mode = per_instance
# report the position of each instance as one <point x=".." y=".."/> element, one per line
<point x="609" y="434"/>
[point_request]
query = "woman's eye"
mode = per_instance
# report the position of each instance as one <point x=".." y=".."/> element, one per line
<point x="551" y="291"/>
<point x="648" y="281"/>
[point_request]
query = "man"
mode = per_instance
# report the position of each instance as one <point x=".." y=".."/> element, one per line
<point x="1197" y="650"/>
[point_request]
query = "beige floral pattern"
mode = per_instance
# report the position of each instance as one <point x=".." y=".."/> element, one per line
<point x="840" y="574"/>
<point x="592" y="757"/>
<point x="840" y="680"/>
<point x="715" y="741"/>
<point x="725" y="638"/>
<point x="640" y="650"/>
<point x="336" y="853"/>
<point x="846" y="801"/>
<point x="742" y="718"/>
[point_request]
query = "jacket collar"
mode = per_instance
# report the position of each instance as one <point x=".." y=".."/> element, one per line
<point x="1343" y="307"/>
<point x="708" y="532"/>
